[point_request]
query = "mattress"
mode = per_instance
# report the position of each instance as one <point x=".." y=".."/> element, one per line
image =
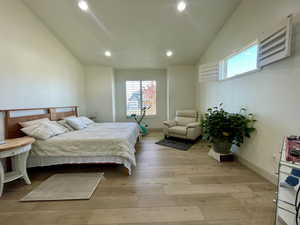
<point x="98" y="143"/>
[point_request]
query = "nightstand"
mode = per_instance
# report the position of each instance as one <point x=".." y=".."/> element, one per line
<point x="93" y="118"/>
<point x="18" y="149"/>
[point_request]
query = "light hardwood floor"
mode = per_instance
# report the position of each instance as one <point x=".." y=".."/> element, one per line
<point x="168" y="187"/>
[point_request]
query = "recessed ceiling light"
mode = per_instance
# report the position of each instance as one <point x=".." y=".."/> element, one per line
<point x="181" y="6"/>
<point x="83" y="5"/>
<point x="169" y="53"/>
<point x="107" y="53"/>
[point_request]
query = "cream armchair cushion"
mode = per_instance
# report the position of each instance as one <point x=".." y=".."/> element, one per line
<point x="193" y="125"/>
<point x="178" y="130"/>
<point x="169" y="123"/>
<point x="185" y="125"/>
<point x="185" y="117"/>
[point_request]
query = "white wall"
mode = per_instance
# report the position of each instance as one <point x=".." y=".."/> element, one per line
<point x="272" y="94"/>
<point x="121" y="75"/>
<point x="181" y="88"/>
<point x="36" y="70"/>
<point x="100" y="93"/>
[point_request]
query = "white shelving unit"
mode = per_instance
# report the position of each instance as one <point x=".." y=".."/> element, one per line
<point x="288" y="198"/>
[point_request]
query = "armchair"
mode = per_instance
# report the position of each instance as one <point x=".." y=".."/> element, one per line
<point x="184" y="126"/>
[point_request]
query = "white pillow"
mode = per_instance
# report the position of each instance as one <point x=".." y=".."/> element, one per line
<point x="65" y="124"/>
<point x="43" y="131"/>
<point x="76" y="123"/>
<point x="39" y="131"/>
<point x="86" y="120"/>
<point x="33" y="122"/>
<point x="58" y="128"/>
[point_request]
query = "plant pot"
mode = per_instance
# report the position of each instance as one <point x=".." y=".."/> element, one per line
<point x="222" y="147"/>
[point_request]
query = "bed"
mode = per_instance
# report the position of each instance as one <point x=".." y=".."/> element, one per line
<point x="98" y="143"/>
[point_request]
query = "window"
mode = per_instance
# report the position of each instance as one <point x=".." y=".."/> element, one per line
<point x="273" y="45"/>
<point x="242" y="62"/>
<point x="139" y="94"/>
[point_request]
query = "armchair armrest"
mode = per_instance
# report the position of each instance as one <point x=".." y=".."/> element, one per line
<point x="193" y="125"/>
<point x="169" y="123"/>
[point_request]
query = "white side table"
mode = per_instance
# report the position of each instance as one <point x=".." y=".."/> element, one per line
<point x="18" y="149"/>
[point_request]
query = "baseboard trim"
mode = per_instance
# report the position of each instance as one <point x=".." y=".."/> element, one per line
<point x="270" y="177"/>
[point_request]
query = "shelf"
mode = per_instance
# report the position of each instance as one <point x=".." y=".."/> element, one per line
<point x="291" y="165"/>
<point x="10" y="176"/>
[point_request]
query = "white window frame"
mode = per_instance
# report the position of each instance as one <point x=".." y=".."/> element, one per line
<point x="270" y="50"/>
<point x="141" y="93"/>
<point x="223" y="64"/>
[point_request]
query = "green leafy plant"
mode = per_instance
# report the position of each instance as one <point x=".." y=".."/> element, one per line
<point x="221" y="126"/>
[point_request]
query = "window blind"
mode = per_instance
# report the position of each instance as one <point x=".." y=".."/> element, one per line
<point x="209" y="72"/>
<point x="275" y="45"/>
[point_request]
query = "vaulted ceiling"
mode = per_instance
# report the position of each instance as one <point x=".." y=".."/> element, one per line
<point x="137" y="32"/>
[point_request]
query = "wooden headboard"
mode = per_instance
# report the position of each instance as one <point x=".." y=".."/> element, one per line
<point x="11" y="122"/>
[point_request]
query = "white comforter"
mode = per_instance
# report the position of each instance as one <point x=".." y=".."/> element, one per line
<point x="99" y="139"/>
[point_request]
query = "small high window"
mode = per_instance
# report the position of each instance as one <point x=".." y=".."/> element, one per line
<point x="240" y="63"/>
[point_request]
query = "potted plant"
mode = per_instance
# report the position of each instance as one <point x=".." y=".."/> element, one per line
<point x="223" y="129"/>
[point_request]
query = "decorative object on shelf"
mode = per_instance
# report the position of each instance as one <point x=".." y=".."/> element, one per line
<point x="292" y="148"/>
<point x="292" y="180"/>
<point x="224" y="129"/>
<point x="18" y="150"/>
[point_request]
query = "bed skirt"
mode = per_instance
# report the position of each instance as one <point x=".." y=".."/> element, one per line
<point x="40" y="161"/>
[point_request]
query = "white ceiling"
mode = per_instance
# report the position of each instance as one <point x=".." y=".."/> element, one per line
<point x="138" y="32"/>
